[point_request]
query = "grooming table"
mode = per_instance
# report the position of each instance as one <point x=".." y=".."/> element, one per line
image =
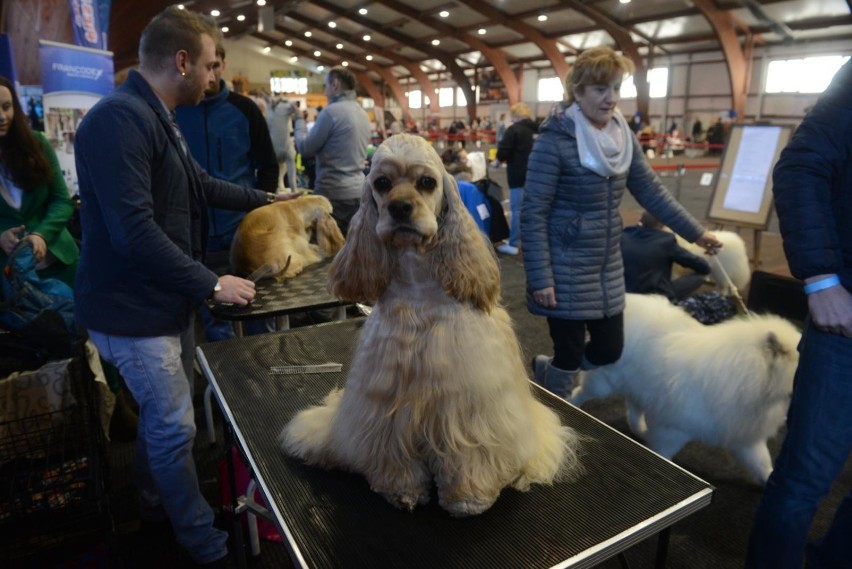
<point x="331" y="519"/>
<point x="306" y="291"/>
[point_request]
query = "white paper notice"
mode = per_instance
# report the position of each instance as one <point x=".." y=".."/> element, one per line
<point x="751" y="168"/>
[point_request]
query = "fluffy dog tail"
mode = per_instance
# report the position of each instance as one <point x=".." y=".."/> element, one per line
<point x="558" y="454"/>
<point x="308" y="435"/>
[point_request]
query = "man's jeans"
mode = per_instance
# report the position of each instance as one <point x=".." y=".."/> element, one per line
<point x="516" y="197"/>
<point x="819" y="438"/>
<point x="155" y="370"/>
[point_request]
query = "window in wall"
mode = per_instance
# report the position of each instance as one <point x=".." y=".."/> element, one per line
<point x="445" y="97"/>
<point x="808" y="75"/>
<point x="658" y="84"/>
<point x="415" y="99"/>
<point x="461" y="100"/>
<point x="296" y="85"/>
<point x="550" y="89"/>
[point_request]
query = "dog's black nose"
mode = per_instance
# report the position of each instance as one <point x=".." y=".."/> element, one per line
<point x="400" y="210"/>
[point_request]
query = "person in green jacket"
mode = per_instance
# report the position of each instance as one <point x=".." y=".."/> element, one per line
<point x="35" y="204"/>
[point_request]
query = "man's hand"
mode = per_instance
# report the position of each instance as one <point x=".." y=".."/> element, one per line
<point x="235" y="290"/>
<point x="545" y="297"/>
<point x="710" y="243"/>
<point x="831" y="309"/>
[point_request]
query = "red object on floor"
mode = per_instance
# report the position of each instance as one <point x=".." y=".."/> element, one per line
<point x="266" y="530"/>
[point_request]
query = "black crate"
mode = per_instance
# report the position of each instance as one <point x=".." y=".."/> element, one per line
<point x="53" y="475"/>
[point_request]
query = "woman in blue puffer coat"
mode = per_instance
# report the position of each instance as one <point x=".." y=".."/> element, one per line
<point x="582" y="161"/>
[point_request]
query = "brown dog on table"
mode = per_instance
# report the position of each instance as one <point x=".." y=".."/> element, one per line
<point x="279" y="235"/>
<point x="437" y="391"/>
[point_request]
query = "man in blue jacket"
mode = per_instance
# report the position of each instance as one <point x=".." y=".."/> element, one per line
<point x="144" y="217"/>
<point x="812" y="184"/>
<point x="228" y="136"/>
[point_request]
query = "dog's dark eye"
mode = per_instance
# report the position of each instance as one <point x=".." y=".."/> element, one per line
<point x="427" y="183"/>
<point x="382" y="184"/>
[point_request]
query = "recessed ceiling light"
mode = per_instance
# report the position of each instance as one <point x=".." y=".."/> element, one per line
<point x="363" y="11"/>
<point x="317" y="53"/>
<point x="542" y="17"/>
<point x="369" y="58"/>
<point x="367" y="37"/>
<point x="308" y="34"/>
<point x="267" y="49"/>
<point x="181" y="7"/>
<point x="436" y="42"/>
<point x="444" y="14"/>
<point x="332" y="25"/>
<point x="225" y="29"/>
<point x="288" y="43"/>
<point x="481" y="31"/>
<point x="294" y="59"/>
<point x="320" y="67"/>
<point x="215" y="13"/>
<point x="339" y="46"/>
<point x="261" y="2"/>
<point x="624" y="1"/>
<point x="241" y="18"/>
<point x="344" y="63"/>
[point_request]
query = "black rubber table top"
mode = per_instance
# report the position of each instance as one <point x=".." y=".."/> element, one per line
<point x="306" y="291"/>
<point x="333" y="520"/>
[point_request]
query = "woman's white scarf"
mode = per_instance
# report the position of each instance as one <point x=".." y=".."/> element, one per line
<point x="606" y="152"/>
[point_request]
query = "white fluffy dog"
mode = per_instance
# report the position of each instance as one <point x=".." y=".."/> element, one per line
<point x="732" y="256"/>
<point x="727" y="385"/>
<point x="437" y="389"/>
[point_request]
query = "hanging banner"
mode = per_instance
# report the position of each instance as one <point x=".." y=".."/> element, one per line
<point x="90" y="20"/>
<point x="74" y="79"/>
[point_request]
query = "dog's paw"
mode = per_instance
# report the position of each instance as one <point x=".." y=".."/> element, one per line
<point x="405" y="500"/>
<point x="469" y="506"/>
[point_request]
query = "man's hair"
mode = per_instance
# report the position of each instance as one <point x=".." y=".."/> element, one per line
<point x="346" y="77"/>
<point x="220" y="51"/>
<point x="170" y="31"/>
<point x="596" y="66"/>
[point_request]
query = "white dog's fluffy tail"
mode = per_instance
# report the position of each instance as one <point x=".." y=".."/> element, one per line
<point x="307" y="435"/>
<point x="558" y="451"/>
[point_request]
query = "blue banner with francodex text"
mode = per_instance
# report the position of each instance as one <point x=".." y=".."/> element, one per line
<point x="90" y="20"/>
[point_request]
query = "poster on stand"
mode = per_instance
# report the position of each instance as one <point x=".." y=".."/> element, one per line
<point x="74" y="79"/>
<point x="90" y="20"/>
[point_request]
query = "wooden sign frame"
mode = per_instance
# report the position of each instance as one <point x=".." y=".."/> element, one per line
<point x="742" y="194"/>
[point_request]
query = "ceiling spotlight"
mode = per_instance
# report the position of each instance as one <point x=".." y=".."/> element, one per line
<point x="317" y="53"/>
<point x="241" y="18"/>
<point x="624" y="1"/>
<point x="542" y="17"/>
<point x="215" y="13"/>
<point x="436" y="42"/>
<point x="369" y="58"/>
<point x="363" y="11"/>
<point x="288" y="43"/>
<point x="320" y="67"/>
<point x="367" y="37"/>
<point x="339" y="46"/>
<point x="267" y="49"/>
<point x="444" y="14"/>
<point x="225" y="29"/>
<point x="481" y="31"/>
<point x="294" y="59"/>
<point x="344" y="63"/>
<point x="332" y="25"/>
<point x="308" y="34"/>
<point x="261" y="2"/>
<point x="181" y="7"/>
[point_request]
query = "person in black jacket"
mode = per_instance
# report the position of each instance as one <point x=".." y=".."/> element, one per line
<point x="514" y="150"/>
<point x="649" y="252"/>
<point x="812" y="186"/>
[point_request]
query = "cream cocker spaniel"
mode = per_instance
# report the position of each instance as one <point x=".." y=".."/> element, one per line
<point x="279" y="235"/>
<point x="437" y="389"/>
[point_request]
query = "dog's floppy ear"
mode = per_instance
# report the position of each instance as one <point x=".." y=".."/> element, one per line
<point x="329" y="237"/>
<point x="361" y="270"/>
<point x="465" y="263"/>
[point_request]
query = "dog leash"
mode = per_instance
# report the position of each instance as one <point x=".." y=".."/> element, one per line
<point x="732" y="286"/>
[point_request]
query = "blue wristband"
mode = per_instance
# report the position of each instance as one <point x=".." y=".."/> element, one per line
<point x="822" y="284"/>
